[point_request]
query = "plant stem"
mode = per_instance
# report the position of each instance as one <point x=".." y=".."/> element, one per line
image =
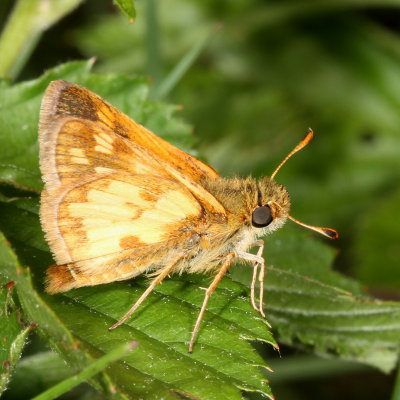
<point x="24" y="28"/>
<point x="154" y="59"/>
<point x="87" y="373"/>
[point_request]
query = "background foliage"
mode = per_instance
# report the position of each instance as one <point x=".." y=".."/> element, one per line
<point x="252" y="77"/>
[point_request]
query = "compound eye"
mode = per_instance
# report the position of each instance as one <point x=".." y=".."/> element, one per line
<point x="261" y="217"/>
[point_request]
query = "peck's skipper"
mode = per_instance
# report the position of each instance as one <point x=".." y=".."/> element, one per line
<point x="119" y="201"/>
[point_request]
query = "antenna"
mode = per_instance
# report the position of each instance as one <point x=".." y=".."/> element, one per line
<point x="302" y="144"/>
<point x="328" y="232"/>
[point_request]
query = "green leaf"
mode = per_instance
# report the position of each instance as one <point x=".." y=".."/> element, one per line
<point x="127" y="7"/>
<point x="13" y="335"/>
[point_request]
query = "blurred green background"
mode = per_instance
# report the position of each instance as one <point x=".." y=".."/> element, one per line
<point x="266" y="72"/>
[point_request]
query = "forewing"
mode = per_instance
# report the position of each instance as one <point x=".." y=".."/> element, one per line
<point x="65" y="100"/>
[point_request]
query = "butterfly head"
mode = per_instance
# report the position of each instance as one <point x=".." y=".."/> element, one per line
<point x="272" y="208"/>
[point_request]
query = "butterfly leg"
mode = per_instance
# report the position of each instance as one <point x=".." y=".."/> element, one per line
<point x="256" y="264"/>
<point x="152" y="285"/>
<point x="225" y="266"/>
<point x="261" y="278"/>
<point x="253" y="286"/>
<point x="257" y="261"/>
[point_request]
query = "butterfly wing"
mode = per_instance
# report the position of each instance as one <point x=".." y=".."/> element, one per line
<point x="111" y="186"/>
<point x="65" y="100"/>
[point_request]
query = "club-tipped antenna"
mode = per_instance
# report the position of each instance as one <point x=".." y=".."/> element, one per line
<point x="302" y="144"/>
<point x="328" y="232"/>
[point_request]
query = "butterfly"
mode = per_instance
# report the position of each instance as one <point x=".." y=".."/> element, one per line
<point x="120" y="201"/>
